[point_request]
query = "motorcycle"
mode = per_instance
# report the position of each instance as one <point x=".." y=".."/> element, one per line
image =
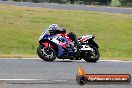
<point x="62" y="47"/>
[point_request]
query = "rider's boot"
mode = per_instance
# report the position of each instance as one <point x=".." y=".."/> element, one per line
<point x="74" y="38"/>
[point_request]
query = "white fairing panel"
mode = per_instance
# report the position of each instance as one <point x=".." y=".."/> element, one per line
<point x="85" y="47"/>
<point x="87" y="36"/>
<point x="55" y="39"/>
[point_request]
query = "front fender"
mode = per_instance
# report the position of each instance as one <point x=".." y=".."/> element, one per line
<point x="56" y="47"/>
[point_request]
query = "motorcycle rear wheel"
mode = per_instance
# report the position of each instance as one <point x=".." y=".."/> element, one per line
<point x="47" y="54"/>
<point x="92" y="56"/>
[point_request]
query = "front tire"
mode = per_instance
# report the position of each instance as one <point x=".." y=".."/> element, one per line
<point x="47" y="54"/>
<point x="92" y="56"/>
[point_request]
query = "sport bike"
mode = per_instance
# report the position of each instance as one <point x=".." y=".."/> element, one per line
<point x="62" y="47"/>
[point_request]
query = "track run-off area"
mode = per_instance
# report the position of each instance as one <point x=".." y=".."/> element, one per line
<point x="72" y="7"/>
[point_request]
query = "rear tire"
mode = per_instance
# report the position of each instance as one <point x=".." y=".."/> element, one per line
<point x="47" y="54"/>
<point x="92" y="56"/>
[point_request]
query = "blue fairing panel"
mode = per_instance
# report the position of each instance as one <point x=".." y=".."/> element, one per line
<point x="60" y="52"/>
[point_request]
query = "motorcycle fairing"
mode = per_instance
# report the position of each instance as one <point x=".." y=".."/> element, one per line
<point x="53" y="45"/>
<point x="59" y="51"/>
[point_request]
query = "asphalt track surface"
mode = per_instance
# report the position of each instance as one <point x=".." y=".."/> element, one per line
<point x="72" y="7"/>
<point x="36" y="73"/>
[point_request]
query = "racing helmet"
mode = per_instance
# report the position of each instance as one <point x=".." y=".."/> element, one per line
<point x="53" y="28"/>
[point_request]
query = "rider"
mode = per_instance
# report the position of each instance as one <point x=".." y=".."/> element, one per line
<point x="54" y="29"/>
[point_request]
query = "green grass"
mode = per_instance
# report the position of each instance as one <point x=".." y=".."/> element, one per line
<point x="20" y="28"/>
<point x="116" y="3"/>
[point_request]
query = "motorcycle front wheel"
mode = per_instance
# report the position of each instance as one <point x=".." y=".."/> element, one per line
<point x="47" y="54"/>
